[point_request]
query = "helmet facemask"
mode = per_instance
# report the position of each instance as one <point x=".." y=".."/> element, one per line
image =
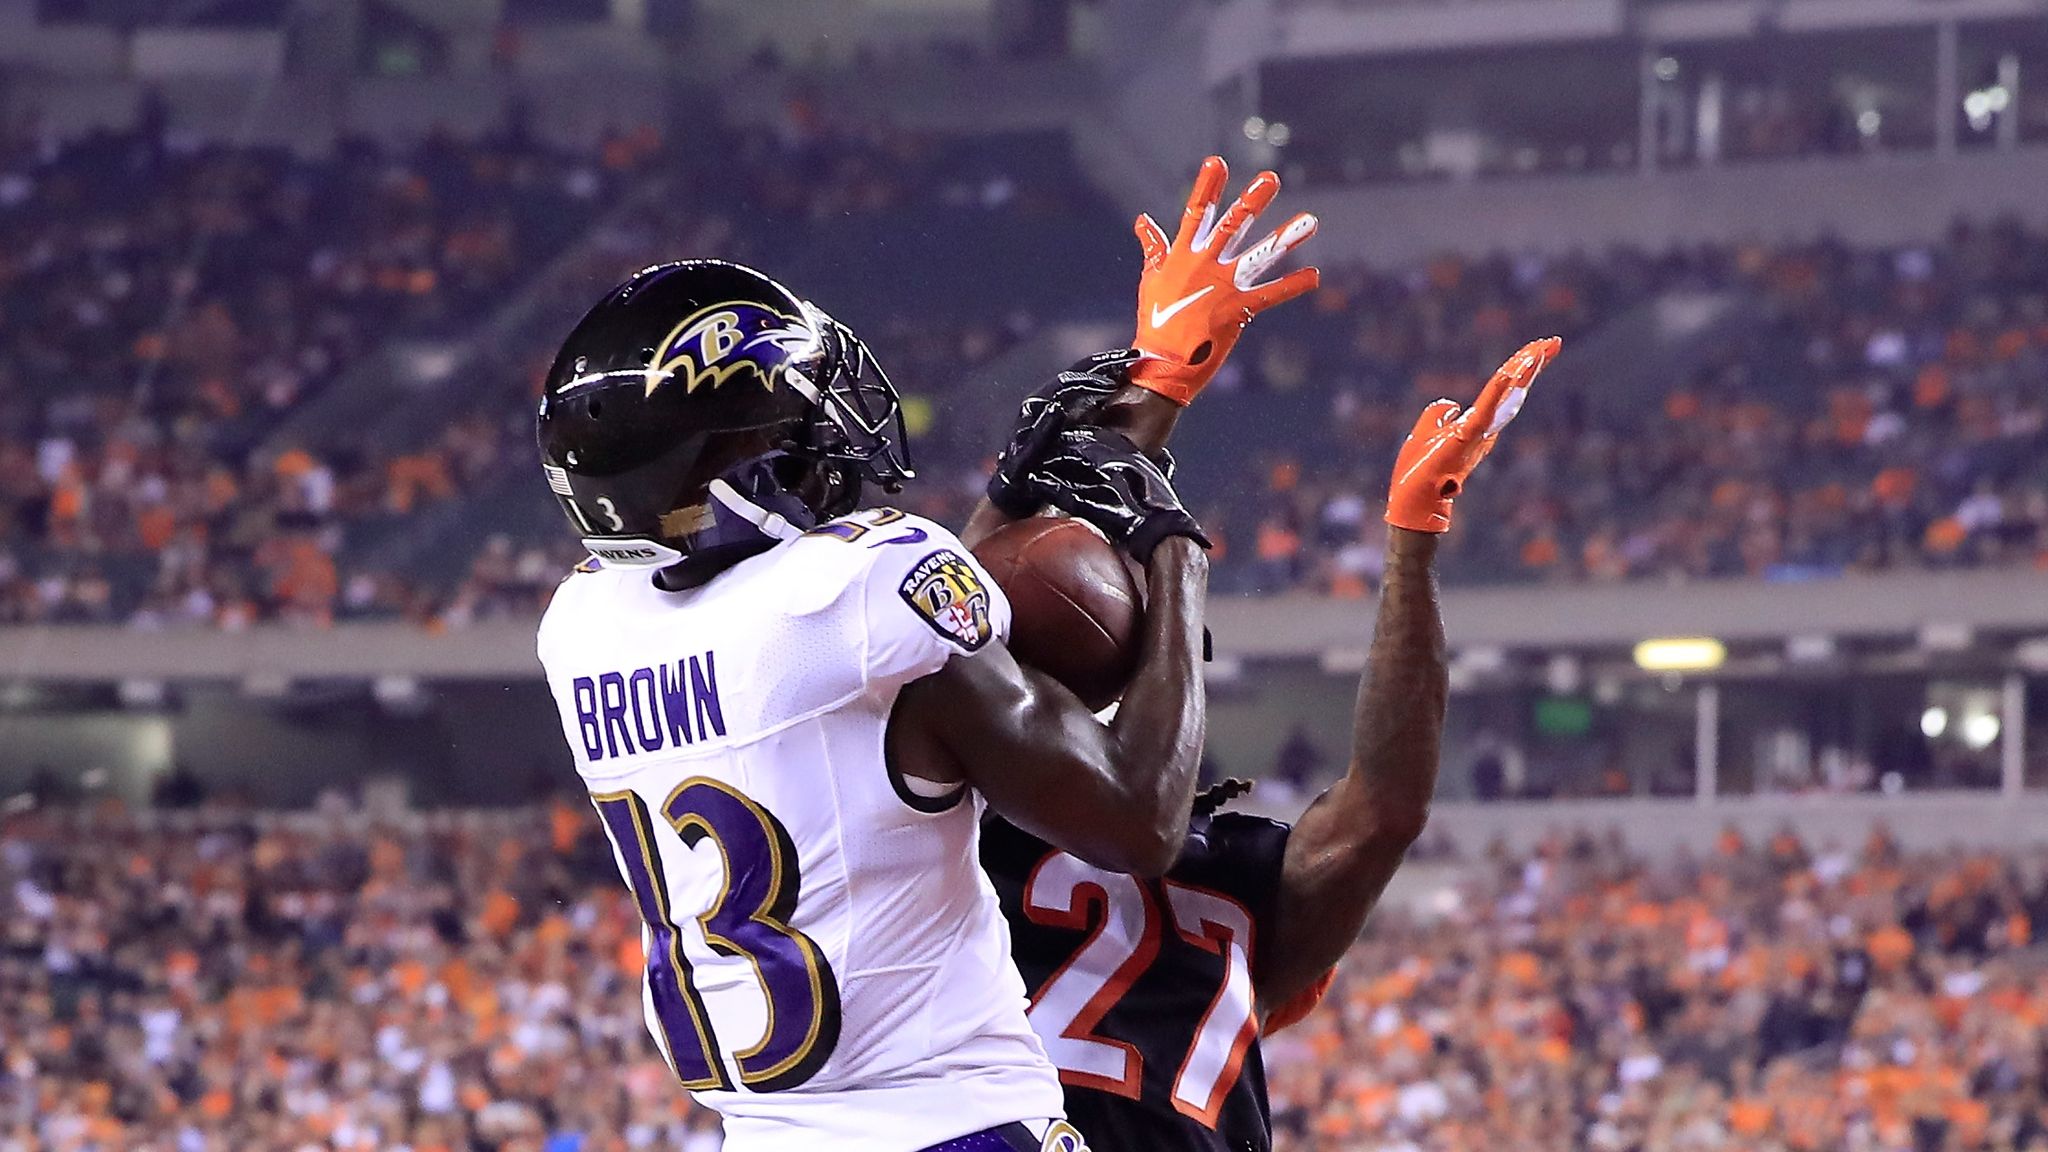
<point x="856" y="431"/>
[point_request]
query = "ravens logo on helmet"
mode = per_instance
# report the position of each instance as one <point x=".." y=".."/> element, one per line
<point x="701" y="411"/>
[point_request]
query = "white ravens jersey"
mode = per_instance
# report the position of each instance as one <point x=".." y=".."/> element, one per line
<point x="826" y="962"/>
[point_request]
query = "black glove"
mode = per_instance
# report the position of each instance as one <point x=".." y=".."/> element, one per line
<point x="1069" y="400"/>
<point x="1098" y="475"/>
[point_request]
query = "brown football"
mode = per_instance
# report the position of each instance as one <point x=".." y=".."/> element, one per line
<point x="1075" y="603"/>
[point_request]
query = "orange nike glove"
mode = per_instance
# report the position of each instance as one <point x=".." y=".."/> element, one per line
<point x="1196" y="295"/>
<point x="1447" y="443"/>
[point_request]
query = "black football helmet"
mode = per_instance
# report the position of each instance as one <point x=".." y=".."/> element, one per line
<point x="701" y="411"/>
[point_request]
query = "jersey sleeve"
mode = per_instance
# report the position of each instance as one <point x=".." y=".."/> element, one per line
<point x="927" y="600"/>
<point x="1249" y="853"/>
<point x="1243" y="858"/>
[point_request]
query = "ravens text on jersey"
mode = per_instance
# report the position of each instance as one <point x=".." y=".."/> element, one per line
<point x="1141" y="990"/>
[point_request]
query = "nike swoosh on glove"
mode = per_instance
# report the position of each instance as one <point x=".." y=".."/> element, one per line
<point x="1098" y="475"/>
<point x="1070" y="399"/>
<point x="1197" y="292"/>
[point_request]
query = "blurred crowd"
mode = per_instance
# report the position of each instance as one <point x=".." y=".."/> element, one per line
<point x="1763" y="996"/>
<point x="172" y="315"/>
<point x="174" y="322"/>
<point x="827" y="205"/>
<point x="1838" y="410"/>
<point x="168" y="309"/>
<point x="467" y="982"/>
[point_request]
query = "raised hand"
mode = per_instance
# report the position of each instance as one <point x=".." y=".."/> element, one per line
<point x="1449" y="441"/>
<point x="1197" y="293"/>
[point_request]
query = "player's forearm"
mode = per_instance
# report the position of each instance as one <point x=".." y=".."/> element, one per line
<point x="1398" y="721"/>
<point x="1162" y="720"/>
<point x="1143" y="415"/>
<point x="1348" y="844"/>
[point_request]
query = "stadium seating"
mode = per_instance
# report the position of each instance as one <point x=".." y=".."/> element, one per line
<point x="224" y="980"/>
<point x="1746" y="856"/>
<point x="1776" y="413"/>
<point x="1780" y="995"/>
<point x="163" y="314"/>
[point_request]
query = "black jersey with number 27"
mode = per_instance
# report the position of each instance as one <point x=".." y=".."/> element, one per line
<point x="1142" y="989"/>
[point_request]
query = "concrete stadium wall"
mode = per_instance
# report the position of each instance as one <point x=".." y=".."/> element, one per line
<point x="1873" y="200"/>
<point x="835" y="31"/>
<point x="464" y="744"/>
<point x="482" y="744"/>
<point x="1927" y="822"/>
<point x="308" y="112"/>
<point x="1901" y="606"/>
<point x="1659" y="828"/>
<point x="1304" y="29"/>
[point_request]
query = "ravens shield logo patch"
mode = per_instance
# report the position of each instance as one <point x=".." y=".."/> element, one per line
<point x="948" y="593"/>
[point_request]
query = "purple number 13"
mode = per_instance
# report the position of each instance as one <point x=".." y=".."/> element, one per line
<point x="749" y="920"/>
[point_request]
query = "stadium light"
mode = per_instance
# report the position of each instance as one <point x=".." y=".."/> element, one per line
<point x="2032" y="654"/>
<point x="1943" y="636"/>
<point x="1342" y="661"/>
<point x="1680" y="654"/>
<point x="1934" y="722"/>
<point x="401" y="694"/>
<point x="266" y="685"/>
<point x="1482" y="658"/>
<point x="1813" y="649"/>
<point x="1982" y="105"/>
<point x="142" y="693"/>
<point x="1980" y="729"/>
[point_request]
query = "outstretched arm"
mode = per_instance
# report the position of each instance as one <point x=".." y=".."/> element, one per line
<point x="1346" y="847"/>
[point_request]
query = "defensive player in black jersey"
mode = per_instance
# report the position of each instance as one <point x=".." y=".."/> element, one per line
<point x="1150" y="994"/>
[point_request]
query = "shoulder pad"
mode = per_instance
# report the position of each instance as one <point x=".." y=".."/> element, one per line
<point x="1241" y="842"/>
<point x="928" y="598"/>
<point x="1231" y="821"/>
<point x="861" y="527"/>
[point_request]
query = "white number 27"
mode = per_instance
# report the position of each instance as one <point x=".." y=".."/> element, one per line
<point x="1124" y="931"/>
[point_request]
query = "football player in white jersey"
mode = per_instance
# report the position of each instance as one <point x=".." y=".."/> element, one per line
<point x="790" y="714"/>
